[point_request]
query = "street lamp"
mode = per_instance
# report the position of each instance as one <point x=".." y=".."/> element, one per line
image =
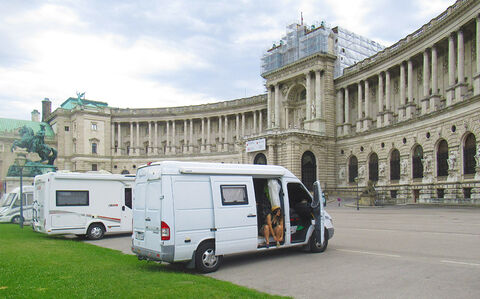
<point x="20" y="161"/>
<point x="356" y="181"/>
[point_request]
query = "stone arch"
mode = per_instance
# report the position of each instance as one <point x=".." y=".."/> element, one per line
<point x="442" y="157"/>
<point x="309" y="169"/>
<point x="260" y="159"/>
<point x="417" y="165"/>
<point x="373" y="167"/>
<point x="352" y="168"/>
<point x="469" y="148"/>
<point x="394" y="161"/>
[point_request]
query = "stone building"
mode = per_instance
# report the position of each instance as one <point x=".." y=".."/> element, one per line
<point x="406" y="118"/>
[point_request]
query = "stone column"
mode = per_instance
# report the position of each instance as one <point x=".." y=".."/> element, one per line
<point x="308" y="100"/>
<point x="119" y="139"/>
<point x="359" y="107"/>
<point x="435" y="97"/>
<point x="269" y="108"/>
<point x="346" y="125"/>
<point x="339" y="114"/>
<point x="388" y="115"/>
<point x="137" y="150"/>
<point x="426" y="83"/>
<point x="318" y="95"/>
<point x="150" y="149"/>
<point x="401" y="109"/>
<point x="367" y="122"/>
<point x="131" y="140"/>
<point x="286" y="117"/>
<point x="237" y="126"/>
<point x="209" y="135"/>
<point x="451" y="70"/>
<point x="155" y="149"/>
<point x="380" y="100"/>
<point x="113" y="138"/>
<point x="254" y="122"/>
<point x="277" y="109"/>
<point x="220" y="137"/>
<point x="225" y="139"/>
<point x="260" y="122"/>
<point x="202" y="144"/>
<point x="185" y="141"/>
<point x="461" y="87"/>
<point x="411" y="105"/>
<point x="190" y="142"/>
<point x="243" y="124"/>
<point x="168" y="138"/>
<point x="476" y="77"/>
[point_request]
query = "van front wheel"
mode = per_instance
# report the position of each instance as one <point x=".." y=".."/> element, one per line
<point x="205" y="259"/>
<point x="95" y="231"/>
<point x="317" y="247"/>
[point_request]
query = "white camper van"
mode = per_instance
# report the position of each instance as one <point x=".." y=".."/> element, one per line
<point x="198" y="212"/>
<point x="10" y="206"/>
<point x="90" y="204"/>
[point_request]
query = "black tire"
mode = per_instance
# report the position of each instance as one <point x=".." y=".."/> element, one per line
<point x="16" y="219"/>
<point x="313" y="243"/>
<point x="205" y="259"/>
<point x="95" y="231"/>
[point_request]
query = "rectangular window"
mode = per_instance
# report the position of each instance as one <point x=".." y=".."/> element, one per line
<point x="67" y="128"/>
<point x="440" y="193"/>
<point x="94" y="126"/>
<point x="467" y="193"/>
<point x="94" y="167"/>
<point x="128" y="197"/>
<point x="72" y="198"/>
<point x="234" y="195"/>
<point x="94" y="148"/>
<point x="393" y="193"/>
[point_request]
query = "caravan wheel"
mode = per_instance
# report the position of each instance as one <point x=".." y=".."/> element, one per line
<point x="95" y="231"/>
<point x="316" y="247"/>
<point x="205" y="259"/>
<point x="16" y="219"/>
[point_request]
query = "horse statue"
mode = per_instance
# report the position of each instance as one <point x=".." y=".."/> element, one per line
<point x="35" y="144"/>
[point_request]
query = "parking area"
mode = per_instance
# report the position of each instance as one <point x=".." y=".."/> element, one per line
<point x="394" y="252"/>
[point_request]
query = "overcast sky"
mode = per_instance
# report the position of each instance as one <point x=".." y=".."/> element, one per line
<point x="166" y="53"/>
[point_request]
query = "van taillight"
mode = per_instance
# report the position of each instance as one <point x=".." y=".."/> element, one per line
<point x="165" y="231"/>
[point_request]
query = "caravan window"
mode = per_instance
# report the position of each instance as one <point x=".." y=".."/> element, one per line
<point x="29" y="199"/>
<point x="72" y="198"/>
<point x="128" y="197"/>
<point x="234" y="195"/>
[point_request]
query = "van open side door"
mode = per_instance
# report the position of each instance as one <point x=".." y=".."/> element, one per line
<point x="235" y="214"/>
<point x="318" y="212"/>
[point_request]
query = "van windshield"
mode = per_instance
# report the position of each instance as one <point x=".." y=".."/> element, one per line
<point x="9" y="199"/>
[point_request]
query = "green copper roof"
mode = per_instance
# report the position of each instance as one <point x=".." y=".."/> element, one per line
<point x="71" y="103"/>
<point x="12" y="125"/>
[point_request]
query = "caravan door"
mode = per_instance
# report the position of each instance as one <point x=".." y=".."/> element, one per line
<point x="235" y="214"/>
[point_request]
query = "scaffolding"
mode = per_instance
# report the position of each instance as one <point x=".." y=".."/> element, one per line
<point x="302" y="41"/>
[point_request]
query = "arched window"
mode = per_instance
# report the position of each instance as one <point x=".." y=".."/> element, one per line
<point x="442" y="158"/>
<point x="352" y="169"/>
<point x="395" y="165"/>
<point x="260" y="159"/>
<point x="309" y="169"/>
<point x="373" y="167"/>
<point x="469" y="162"/>
<point x="417" y="162"/>
<point x="125" y="171"/>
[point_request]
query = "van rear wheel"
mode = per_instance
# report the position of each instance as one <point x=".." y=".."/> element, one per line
<point x="16" y="219"/>
<point x="95" y="231"/>
<point x="205" y="259"/>
<point x="317" y="247"/>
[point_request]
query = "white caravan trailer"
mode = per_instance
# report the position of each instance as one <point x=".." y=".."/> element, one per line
<point x="90" y="204"/>
<point x="198" y="212"/>
<point x="10" y="206"/>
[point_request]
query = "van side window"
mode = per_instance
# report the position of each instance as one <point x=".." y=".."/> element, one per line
<point x="29" y="200"/>
<point x="72" y="198"/>
<point x="234" y="195"/>
<point x="128" y="197"/>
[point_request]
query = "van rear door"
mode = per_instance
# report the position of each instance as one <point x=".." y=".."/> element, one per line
<point x="235" y="214"/>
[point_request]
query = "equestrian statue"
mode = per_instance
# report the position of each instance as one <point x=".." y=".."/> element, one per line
<point x="35" y="143"/>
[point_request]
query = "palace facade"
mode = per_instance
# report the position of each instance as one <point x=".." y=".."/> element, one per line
<point x="406" y="118"/>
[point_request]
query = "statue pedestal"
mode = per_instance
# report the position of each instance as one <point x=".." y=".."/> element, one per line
<point x="367" y="200"/>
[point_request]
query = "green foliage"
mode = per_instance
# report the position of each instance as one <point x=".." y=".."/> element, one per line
<point x="34" y="265"/>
